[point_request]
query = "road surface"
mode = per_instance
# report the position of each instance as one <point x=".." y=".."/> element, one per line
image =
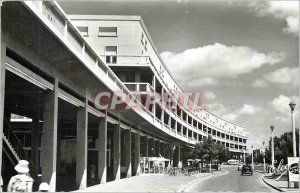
<point x="232" y="181"/>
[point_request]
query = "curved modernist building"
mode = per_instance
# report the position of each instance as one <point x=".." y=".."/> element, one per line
<point x="53" y="70"/>
<point x="125" y="45"/>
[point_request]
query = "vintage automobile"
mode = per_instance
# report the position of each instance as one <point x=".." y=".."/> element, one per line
<point x="246" y="169"/>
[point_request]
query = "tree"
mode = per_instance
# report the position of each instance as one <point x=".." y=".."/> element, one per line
<point x="283" y="147"/>
<point x="208" y="150"/>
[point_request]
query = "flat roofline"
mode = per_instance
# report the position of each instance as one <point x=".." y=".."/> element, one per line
<point x="106" y="17"/>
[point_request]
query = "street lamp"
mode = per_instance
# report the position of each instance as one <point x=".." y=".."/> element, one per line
<point x="272" y="144"/>
<point x="244" y="157"/>
<point x="252" y="158"/>
<point x="292" y="106"/>
<point x="264" y="157"/>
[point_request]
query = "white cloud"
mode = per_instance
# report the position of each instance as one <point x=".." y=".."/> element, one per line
<point x="217" y="61"/>
<point x="210" y="95"/>
<point x="199" y="82"/>
<point x="281" y="106"/>
<point x="217" y="108"/>
<point x="259" y="83"/>
<point x="283" y="75"/>
<point x="281" y="10"/>
<point x="230" y="117"/>
<point x="281" y="103"/>
<point x="248" y="109"/>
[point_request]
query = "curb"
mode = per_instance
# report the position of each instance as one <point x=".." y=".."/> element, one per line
<point x="258" y="171"/>
<point x="272" y="186"/>
<point x="201" y="180"/>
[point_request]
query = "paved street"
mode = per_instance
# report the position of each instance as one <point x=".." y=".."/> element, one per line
<point x="232" y="181"/>
<point x="147" y="183"/>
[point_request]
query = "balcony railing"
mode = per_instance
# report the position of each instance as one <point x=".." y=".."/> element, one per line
<point x="125" y="60"/>
<point x="139" y="86"/>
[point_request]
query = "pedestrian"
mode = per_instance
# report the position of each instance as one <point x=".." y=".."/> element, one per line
<point x="44" y="187"/>
<point x="22" y="182"/>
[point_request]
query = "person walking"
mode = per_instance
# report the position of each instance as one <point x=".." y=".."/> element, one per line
<point x="22" y="182"/>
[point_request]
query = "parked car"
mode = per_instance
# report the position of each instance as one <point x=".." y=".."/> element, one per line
<point x="246" y="169"/>
<point x="240" y="167"/>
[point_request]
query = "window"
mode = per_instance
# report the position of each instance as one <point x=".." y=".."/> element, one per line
<point x="108" y="31"/>
<point x="142" y="40"/>
<point x="111" y="54"/>
<point x="146" y="44"/>
<point x="84" y="30"/>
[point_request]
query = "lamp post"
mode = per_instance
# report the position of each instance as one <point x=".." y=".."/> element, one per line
<point x="272" y="144"/>
<point x="264" y="157"/>
<point x="252" y="158"/>
<point x="292" y="106"/>
<point x="244" y="157"/>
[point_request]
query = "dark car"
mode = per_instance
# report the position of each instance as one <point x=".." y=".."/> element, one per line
<point x="246" y="169"/>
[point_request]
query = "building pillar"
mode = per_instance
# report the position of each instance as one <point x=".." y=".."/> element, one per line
<point x="150" y="147"/>
<point x="49" y="139"/>
<point x="154" y="88"/>
<point x="137" y="153"/>
<point x="147" y="146"/>
<point x="82" y="147"/>
<point x="2" y="87"/>
<point x="117" y="152"/>
<point x="162" y="148"/>
<point x="166" y="154"/>
<point x="158" y="149"/>
<point x="128" y="153"/>
<point x="102" y="148"/>
<point x="179" y="154"/>
<point x="162" y="117"/>
<point x="35" y="141"/>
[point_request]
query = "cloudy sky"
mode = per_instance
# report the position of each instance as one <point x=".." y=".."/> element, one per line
<point x="241" y="56"/>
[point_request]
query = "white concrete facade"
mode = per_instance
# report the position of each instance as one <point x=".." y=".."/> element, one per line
<point x="132" y="50"/>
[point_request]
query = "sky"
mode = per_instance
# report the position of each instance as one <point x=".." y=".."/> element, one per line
<point x="242" y="56"/>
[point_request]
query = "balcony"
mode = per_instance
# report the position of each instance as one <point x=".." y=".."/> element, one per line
<point x="123" y="60"/>
<point x="139" y="87"/>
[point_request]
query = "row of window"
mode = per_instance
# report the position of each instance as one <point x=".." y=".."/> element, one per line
<point x="102" y="31"/>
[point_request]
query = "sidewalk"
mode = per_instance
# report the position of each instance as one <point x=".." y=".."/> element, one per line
<point x="280" y="185"/>
<point x="148" y="183"/>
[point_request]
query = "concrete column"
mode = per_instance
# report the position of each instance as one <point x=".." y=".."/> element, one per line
<point x="2" y="87"/>
<point x="162" y="149"/>
<point x="158" y="148"/>
<point x="147" y="146"/>
<point x="35" y="139"/>
<point x="128" y="153"/>
<point x="82" y="148"/>
<point x="179" y="155"/>
<point x="154" y="87"/>
<point x="102" y="146"/>
<point x="117" y="152"/>
<point x="49" y="139"/>
<point x="152" y="147"/>
<point x="137" y="153"/>
<point x="162" y="117"/>
<point x="175" y="125"/>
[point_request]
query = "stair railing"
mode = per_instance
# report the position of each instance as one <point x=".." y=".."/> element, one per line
<point x="18" y="147"/>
